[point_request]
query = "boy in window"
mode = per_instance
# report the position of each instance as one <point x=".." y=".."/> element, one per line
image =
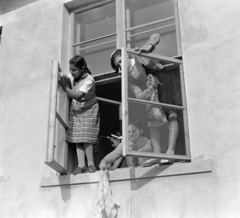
<point x="149" y="81"/>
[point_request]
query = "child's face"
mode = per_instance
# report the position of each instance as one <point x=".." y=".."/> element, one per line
<point x="118" y="62"/>
<point x="75" y="71"/>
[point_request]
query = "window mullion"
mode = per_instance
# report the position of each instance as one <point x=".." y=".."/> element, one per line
<point x="124" y="102"/>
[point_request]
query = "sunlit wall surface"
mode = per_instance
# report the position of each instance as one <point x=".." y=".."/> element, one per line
<point x="10" y="5"/>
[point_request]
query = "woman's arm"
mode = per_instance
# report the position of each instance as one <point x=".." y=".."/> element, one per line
<point x="111" y="157"/>
<point x="116" y="164"/>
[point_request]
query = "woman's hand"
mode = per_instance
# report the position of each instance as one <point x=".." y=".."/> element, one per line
<point x="103" y="165"/>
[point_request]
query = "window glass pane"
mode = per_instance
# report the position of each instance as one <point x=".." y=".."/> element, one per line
<point x="152" y="132"/>
<point x="150" y="81"/>
<point x="140" y="12"/>
<point x="92" y="24"/>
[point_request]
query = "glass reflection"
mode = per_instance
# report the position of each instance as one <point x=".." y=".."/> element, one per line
<point x="93" y="24"/>
<point x="156" y="10"/>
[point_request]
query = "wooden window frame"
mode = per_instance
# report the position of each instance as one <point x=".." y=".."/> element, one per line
<point x="53" y="116"/>
<point x="121" y="32"/>
<point x="172" y="61"/>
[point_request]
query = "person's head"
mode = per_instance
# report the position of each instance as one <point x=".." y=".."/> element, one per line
<point x="116" y="138"/>
<point x="135" y="131"/>
<point x="78" y="66"/>
<point x="116" y="60"/>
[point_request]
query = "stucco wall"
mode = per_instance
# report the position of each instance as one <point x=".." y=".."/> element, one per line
<point x="31" y="38"/>
<point x="211" y="49"/>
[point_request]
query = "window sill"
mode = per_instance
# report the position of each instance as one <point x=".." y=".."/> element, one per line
<point x="131" y="174"/>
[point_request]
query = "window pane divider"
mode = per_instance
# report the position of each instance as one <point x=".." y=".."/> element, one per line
<point x="61" y="121"/>
<point x="149" y="24"/>
<point x="156" y="103"/>
<point x="151" y="30"/>
<point x="157" y="56"/>
<point x="108" y="80"/>
<point x="97" y="45"/>
<point x="158" y="155"/>
<point x="95" y="39"/>
<point x="124" y="102"/>
<point x="109" y="101"/>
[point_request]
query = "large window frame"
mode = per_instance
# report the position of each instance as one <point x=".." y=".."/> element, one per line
<point x="177" y="60"/>
<point x="58" y="119"/>
<point x="122" y="33"/>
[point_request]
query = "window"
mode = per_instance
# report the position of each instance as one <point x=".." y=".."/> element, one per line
<point x="162" y="18"/>
<point x="56" y="154"/>
<point x="97" y="30"/>
<point x="93" y="37"/>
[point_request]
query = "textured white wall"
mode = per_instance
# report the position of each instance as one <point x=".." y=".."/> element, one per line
<point x="31" y="39"/>
<point x="211" y="50"/>
<point x="10" y="5"/>
<point x="210" y="39"/>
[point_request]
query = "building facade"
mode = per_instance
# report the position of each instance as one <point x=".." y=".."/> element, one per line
<point x="203" y="40"/>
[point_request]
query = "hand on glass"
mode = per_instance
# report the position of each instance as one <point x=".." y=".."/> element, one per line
<point x="64" y="82"/>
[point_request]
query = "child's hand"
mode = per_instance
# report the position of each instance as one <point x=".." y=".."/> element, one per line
<point x="64" y="82"/>
<point x="152" y="81"/>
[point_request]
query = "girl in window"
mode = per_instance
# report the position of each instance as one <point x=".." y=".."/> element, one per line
<point x="84" y="118"/>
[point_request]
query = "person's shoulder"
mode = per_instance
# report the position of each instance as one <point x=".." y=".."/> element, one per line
<point x="89" y="77"/>
<point x="146" y="140"/>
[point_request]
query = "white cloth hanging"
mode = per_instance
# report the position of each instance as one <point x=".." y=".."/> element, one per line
<point x="104" y="205"/>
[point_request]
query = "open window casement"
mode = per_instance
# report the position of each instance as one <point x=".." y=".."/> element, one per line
<point x="134" y="108"/>
<point x="56" y="153"/>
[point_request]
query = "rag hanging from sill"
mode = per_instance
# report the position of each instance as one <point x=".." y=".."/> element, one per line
<point x="104" y="206"/>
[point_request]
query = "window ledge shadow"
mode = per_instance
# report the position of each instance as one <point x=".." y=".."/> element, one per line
<point x="126" y="174"/>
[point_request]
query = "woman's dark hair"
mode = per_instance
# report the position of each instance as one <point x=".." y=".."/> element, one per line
<point x="116" y="53"/>
<point x="136" y="123"/>
<point x="80" y="63"/>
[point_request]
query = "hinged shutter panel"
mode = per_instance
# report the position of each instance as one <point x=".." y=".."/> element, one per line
<point x="56" y="153"/>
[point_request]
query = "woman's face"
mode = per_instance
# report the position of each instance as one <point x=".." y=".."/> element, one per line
<point x="75" y="71"/>
<point x="134" y="133"/>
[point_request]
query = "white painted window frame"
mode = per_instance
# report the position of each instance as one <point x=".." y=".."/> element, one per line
<point x="125" y="120"/>
<point x="121" y="33"/>
<point x="53" y="116"/>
